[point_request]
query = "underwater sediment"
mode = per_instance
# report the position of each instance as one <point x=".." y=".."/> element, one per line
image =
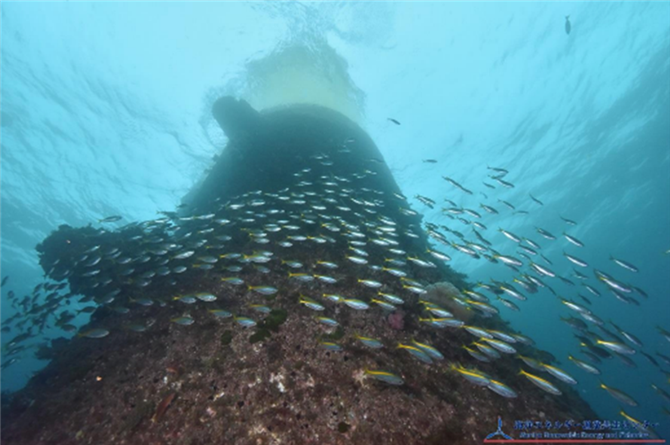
<point x="294" y="299"/>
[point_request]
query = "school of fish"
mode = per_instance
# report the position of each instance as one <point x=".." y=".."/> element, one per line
<point x="344" y="223"/>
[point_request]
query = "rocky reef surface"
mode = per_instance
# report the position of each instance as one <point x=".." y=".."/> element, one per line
<point x="270" y="384"/>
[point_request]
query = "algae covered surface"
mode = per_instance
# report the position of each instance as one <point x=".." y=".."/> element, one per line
<point x="282" y="389"/>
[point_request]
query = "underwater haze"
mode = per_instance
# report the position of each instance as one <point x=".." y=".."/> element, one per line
<point x="106" y="110"/>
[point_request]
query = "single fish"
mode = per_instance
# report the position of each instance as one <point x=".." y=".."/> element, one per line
<point x="568" y="221"/>
<point x="327" y="321"/>
<point x="500" y="345"/>
<point x="457" y="185"/>
<point x="391" y="298"/>
<point x="292" y="264"/>
<point x="507" y="204"/>
<point x="642" y="427"/>
<point x="478" y="332"/>
<point x="503" y="182"/>
<point x="510" y="235"/>
<point x="512" y="292"/>
<point x="620" y="348"/>
<point x="110" y="219"/>
<point x="472" y="375"/>
<point x="187" y="299"/>
<point x="541" y="383"/>
<point x="415" y="289"/>
<point x="559" y="374"/>
<point x="664" y="333"/>
<point x="509" y="305"/>
<point x="619" y="395"/>
<point x="296" y="276"/>
<point x="545" y="234"/>
<point x="94" y="333"/>
<point x="357" y="260"/>
<point x="509" y="260"/>
<point x="184" y="254"/>
<point x="477" y="355"/>
<point x="625" y="264"/>
<point x="261" y="308"/>
<point x="585" y="366"/>
<point x="628" y="336"/>
<point x="442" y="322"/>
<point x="370" y="283"/>
<point x="325" y="279"/>
<point x="591" y="289"/>
<point x="184" y="321"/>
<point x="661" y="392"/>
<point x="476" y="296"/>
<point x="355" y="304"/>
<point x="383" y="304"/>
<point x="427" y="201"/>
<point x="245" y="321"/>
<point x="327" y="264"/>
<point x="264" y="290"/>
<point x="430" y="350"/>
<point x="313" y="305"/>
<point x="205" y="296"/>
<point x="221" y="313"/>
<point x="501" y="389"/>
<point x="499" y="170"/>
<point x="575" y="260"/>
<point x="369" y="342"/>
<point x="330" y="346"/>
<point x="614" y="285"/>
<point x="487" y="350"/>
<point x="573" y="240"/>
<point x="385" y="376"/>
<point x="651" y="359"/>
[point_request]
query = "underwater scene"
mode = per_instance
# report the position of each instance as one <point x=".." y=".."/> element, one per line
<point x="335" y="222"/>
